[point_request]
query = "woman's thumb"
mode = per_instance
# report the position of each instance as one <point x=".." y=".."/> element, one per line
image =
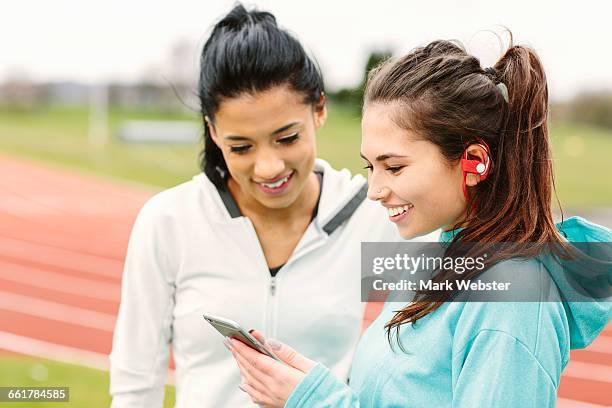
<point x="289" y="355"/>
<point x="284" y="352"/>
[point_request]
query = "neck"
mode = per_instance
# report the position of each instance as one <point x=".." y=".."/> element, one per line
<point x="460" y="222"/>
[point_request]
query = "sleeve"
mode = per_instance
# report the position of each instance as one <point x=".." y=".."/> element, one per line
<point x="143" y="332"/>
<point x="319" y="388"/>
<point x="497" y="370"/>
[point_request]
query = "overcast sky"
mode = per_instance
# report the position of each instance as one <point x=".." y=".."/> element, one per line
<point x="100" y="40"/>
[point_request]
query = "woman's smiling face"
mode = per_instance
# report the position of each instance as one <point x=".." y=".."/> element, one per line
<point x="409" y="175"/>
<point x="268" y="142"/>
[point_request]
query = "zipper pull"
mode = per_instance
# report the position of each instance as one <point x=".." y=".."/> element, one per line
<point x="273" y="285"/>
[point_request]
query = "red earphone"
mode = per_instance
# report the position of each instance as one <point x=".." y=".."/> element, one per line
<point x="476" y="166"/>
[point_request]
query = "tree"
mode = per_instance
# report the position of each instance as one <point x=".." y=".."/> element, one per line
<point x="354" y="96"/>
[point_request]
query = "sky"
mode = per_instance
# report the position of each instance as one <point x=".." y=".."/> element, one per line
<point x="95" y="41"/>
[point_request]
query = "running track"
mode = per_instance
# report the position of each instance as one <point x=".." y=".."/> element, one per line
<point x="63" y="238"/>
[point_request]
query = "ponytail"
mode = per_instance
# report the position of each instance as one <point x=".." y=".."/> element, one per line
<point x="523" y="158"/>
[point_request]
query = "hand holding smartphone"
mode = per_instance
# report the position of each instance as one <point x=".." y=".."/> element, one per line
<point x="229" y="328"/>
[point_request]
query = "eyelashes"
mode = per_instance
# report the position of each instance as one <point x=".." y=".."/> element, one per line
<point x="394" y="169"/>
<point x="285" y="141"/>
<point x="288" y="139"/>
<point x="390" y="169"/>
<point x="240" y="149"/>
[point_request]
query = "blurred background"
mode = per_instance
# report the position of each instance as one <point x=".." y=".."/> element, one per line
<point x="98" y="111"/>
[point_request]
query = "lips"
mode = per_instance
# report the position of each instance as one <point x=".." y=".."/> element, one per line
<point x="277" y="182"/>
<point x="276" y="186"/>
<point x="398" y="212"/>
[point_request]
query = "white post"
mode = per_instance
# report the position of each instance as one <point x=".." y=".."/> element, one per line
<point x="98" y="115"/>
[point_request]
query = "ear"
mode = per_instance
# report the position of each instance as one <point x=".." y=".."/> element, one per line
<point x="479" y="153"/>
<point x="320" y="111"/>
<point x="211" y="129"/>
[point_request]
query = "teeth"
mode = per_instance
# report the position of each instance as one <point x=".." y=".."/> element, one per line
<point x="276" y="184"/>
<point x="398" y="210"/>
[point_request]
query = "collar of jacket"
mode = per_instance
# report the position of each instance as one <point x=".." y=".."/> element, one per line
<point x="341" y="195"/>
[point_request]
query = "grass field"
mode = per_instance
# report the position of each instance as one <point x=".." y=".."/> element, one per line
<point x="88" y="387"/>
<point x="59" y="136"/>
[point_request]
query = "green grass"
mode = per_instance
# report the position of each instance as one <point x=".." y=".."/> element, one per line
<point x="583" y="164"/>
<point x="58" y="135"/>
<point x="88" y="387"/>
<point x="339" y="139"/>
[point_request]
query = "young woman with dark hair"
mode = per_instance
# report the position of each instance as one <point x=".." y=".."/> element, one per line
<point x="268" y="235"/>
<point x="451" y="145"/>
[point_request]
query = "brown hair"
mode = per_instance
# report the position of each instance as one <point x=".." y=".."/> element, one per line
<point x="445" y="96"/>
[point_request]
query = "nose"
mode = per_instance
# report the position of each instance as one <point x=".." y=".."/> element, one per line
<point x="376" y="189"/>
<point x="268" y="166"/>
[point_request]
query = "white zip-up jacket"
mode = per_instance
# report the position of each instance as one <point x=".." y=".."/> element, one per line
<point x="192" y="252"/>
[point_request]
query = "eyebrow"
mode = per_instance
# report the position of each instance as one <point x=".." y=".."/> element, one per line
<point x="384" y="157"/>
<point x="276" y="132"/>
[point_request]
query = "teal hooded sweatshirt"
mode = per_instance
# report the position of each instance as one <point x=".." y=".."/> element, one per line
<point x="471" y="354"/>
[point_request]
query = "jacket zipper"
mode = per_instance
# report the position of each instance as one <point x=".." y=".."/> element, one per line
<point x="271" y="308"/>
<point x="272" y="285"/>
<point x="271" y="289"/>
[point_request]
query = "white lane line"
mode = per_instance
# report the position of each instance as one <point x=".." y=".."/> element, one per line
<point x="56" y="311"/>
<point x="569" y="403"/>
<point x="59" y="282"/>
<point x="602" y="344"/>
<point x="56" y="352"/>
<point x="38" y="348"/>
<point x="62" y="258"/>
<point x="588" y="371"/>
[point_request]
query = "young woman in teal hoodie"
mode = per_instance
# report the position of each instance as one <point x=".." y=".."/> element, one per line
<point x="454" y="146"/>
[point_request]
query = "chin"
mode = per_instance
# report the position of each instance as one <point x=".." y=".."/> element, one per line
<point x="407" y="235"/>
<point x="278" y="203"/>
<point x="410" y="232"/>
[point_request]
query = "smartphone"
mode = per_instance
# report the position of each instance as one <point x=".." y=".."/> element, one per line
<point x="229" y="328"/>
